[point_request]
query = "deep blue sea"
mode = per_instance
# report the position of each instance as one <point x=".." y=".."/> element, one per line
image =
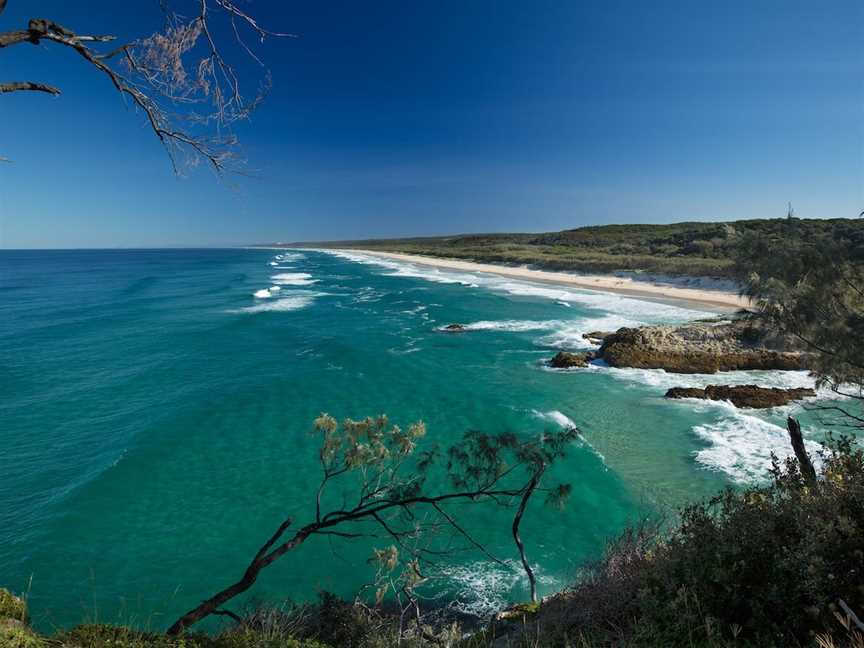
<point x="155" y="409"/>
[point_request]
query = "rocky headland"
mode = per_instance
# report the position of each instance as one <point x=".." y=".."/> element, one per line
<point x="698" y="347"/>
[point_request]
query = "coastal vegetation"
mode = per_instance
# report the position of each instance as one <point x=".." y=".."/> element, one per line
<point x="703" y="249"/>
<point x="809" y="285"/>
<point x="773" y="565"/>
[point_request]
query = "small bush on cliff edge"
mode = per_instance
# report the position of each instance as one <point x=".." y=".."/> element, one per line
<point x="766" y="566"/>
<point x="12" y="607"/>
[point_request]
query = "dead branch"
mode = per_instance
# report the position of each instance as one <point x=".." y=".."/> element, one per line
<point x="264" y="558"/>
<point x="15" y="86"/>
<point x="517" y="520"/>
<point x="808" y="472"/>
<point x="168" y="76"/>
<point x="375" y="453"/>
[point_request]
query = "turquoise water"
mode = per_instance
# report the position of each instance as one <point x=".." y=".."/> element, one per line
<point x="154" y="419"/>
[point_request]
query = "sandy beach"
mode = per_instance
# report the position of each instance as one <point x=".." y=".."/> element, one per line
<point x="716" y="299"/>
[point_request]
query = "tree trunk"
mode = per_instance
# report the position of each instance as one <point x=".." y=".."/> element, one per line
<point x="532" y="486"/>
<point x="804" y="463"/>
<point x="262" y="560"/>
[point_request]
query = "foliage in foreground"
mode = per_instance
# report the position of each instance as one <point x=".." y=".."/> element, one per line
<point x="765" y="566"/>
<point x="774" y="565"/>
<point x="810" y="285"/>
<point x="394" y="501"/>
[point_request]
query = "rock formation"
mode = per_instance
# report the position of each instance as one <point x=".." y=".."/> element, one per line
<point x="701" y="348"/>
<point x="566" y="360"/>
<point x="743" y="395"/>
<point x="454" y="328"/>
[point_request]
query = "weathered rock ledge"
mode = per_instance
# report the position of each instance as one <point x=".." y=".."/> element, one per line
<point x="743" y="395"/>
<point x="701" y="347"/>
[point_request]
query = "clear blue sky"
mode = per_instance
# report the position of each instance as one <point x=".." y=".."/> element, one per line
<point x="427" y="117"/>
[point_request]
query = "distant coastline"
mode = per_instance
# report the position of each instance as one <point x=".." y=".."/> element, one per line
<point x="717" y="299"/>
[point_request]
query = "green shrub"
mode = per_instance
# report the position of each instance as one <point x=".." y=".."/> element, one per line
<point x="12" y="607"/>
<point x="105" y="636"/>
<point x="16" y="634"/>
<point x="763" y="566"/>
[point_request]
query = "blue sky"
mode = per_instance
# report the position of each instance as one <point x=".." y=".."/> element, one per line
<point x="393" y="118"/>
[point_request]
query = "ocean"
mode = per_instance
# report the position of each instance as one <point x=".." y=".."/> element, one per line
<point x="156" y="408"/>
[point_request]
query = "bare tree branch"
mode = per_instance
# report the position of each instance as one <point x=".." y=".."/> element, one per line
<point x="168" y="75"/>
<point x="374" y="452"/>
<point x="517" y="521"/>
<point x="14" y="86"/>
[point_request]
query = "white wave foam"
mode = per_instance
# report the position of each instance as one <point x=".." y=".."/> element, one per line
<point x="367" y="294"/>
<point x="273" y="263"/>
<point x="628" y="310"/>
<point x="569" y="334"/>
<point x="405" y="351"/>
<point x="511" y="325"/>
<point x="290" y="256"/>
<point x="293" y="279"/>
<point x="273" y="289"/>
<point x="634" y="311"/>
<point x="565" y="422"/>
<point x="288" y="301"/>
<point x="483" y="588"/>
<point x="264" y="293"/>
<point x="740" y="445"/>
<point x="405" y="269"/>
<point x="559" y="418"/>
<point x="285" y="304"/>
<point x="662" y="380"/>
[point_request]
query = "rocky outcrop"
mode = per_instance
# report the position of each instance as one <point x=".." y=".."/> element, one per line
<point x="743" y="395"/>
<point x="596" y="337"/>
<point x="702" y="347"/>
<point x="566" y="360"/>
<point x="454" y="328"/>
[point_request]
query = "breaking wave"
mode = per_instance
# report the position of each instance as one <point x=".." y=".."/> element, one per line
<point x="565" y="422"/>
<point x="293" y="279"/>
<point x="740" y="445"/>
<point x="628" y="309"/>
<point x="283" y="302"/>
<point x="510" y="325"/>
<point x="483" y="588"/>
<point x="662" y="380"/>
<point x="554" y="416"/>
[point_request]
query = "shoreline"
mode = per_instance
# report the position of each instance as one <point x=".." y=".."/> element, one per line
<point x="724" y="301"/>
